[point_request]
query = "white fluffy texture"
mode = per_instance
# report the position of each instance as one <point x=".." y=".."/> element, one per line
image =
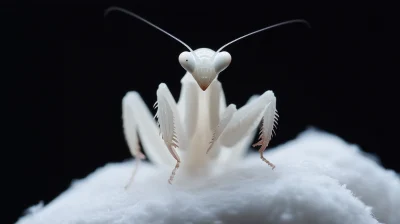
<point x="310" y="184"/>
<point x="331" y="156"/>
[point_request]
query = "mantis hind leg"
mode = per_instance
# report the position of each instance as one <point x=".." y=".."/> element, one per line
<point x="139" y="156"/>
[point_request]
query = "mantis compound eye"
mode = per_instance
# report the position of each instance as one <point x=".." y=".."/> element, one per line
<point x="222" y="61"/>
<point x="187" y="61"/>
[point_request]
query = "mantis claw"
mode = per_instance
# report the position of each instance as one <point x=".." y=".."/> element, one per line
<point x="263" y="145"/>
<point x="171" y="178"/>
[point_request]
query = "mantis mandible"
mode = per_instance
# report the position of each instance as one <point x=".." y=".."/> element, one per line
<point x="200" y="125"/>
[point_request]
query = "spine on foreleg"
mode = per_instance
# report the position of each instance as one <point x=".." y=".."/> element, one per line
<point x="268" y="126"/>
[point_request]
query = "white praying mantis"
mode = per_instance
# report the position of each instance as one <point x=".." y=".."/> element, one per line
<point x="200" y="126"/>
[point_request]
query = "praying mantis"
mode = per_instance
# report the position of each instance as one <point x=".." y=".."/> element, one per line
<point x="199" y="127"/>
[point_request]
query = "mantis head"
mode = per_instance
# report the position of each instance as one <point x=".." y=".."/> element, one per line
<point x="204" y="68"/>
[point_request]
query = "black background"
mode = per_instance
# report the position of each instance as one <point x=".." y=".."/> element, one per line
<point x="66" y="69"/>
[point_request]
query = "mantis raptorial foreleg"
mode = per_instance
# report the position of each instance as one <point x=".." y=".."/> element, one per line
<point x="171" y="128"/>
<point x="246" y="119"/>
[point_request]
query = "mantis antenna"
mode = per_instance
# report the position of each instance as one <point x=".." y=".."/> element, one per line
<point x="206" y="69"/>
<point x="263" y="29"/>
<point x="114" y="8"/>
<point x="266" y="28"/>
